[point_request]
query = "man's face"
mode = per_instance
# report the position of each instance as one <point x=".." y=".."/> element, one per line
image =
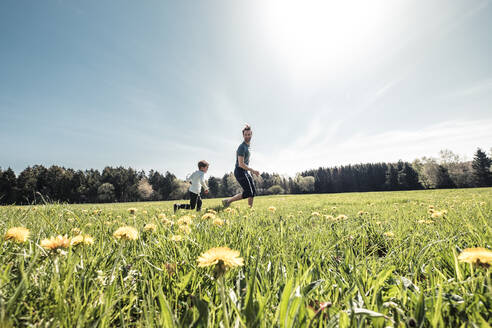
<point x="204" y="169"/>
<point x="247" y="135"/>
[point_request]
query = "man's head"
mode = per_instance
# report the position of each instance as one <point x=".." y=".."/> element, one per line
<point x="203" y="166"/>
<point x="247" y="133"/>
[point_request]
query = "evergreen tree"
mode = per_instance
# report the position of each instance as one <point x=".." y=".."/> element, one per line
<point x="8" y="188"/>
<point x="443" y="178"/>
<point x="392" y="178"/>
<point x="213" y="186"/>
<point x="481" y="169"/>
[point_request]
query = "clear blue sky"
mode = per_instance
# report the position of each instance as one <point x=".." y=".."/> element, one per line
<point x="163" y="84"/>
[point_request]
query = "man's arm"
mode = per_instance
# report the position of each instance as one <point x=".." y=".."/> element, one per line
<point x="242" y="165"/>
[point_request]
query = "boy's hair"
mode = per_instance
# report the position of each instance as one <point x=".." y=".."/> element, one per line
<point x="202" y="163"/>
<point x="247" y="127"/>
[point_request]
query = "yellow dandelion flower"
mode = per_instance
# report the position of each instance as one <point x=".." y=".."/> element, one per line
<point x="76" y="231"/>
<point x="389" y="234"/>
<point x="150" y="227"/>
<point x="272" y="209"/>
<point x="55" y="242"/>
<point x="478" y="255"/>
<point x="144" y="212"/>
<point x="315" y="214"/>
<point x="19" y="234"/>
<point x="132" y="210"/>
<point x="126" y="232"/>
<point x="167" y="222"/>
<point x="82" y="239"/>
<point x="162" y="216"/>
<point x="185" y="229"/>
<point x="329" y="217"/>
<point x="176" y="238"/>
<point x="436" y="215"/>
<point x="223" y="256"/>
<point x="211" y="211"/>
<point x="341" y="217"/>
<point x="334" y="208"/>
<point x="185" y="220"/>
<point x="360" y="213"/>
<point x="378" y="222"/>
<point x="208" y="216"/>
<point x="218" y="222"/>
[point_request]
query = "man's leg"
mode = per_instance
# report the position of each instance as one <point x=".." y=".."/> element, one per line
<point x="234" y="198"/>
<point x="252" y="189"/>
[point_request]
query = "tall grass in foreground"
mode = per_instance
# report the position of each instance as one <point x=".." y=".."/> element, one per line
<point x="357" y="259"/>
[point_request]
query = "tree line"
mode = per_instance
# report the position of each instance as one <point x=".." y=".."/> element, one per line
<point x="118" y="184"/>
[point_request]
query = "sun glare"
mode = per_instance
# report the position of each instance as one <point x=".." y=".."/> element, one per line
<point x="312" y="37"/>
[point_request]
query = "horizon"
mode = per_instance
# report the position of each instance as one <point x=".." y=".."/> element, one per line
<point x="162" y="85"/>
<point x="463" y="158"/>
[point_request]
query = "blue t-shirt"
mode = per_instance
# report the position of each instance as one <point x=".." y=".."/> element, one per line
<point x="243" y="150"/>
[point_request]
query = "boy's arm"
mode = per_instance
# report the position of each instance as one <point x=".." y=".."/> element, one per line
<point x="204" y="184"/>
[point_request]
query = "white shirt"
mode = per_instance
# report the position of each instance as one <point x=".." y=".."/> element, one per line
<point x="197" y="180"/>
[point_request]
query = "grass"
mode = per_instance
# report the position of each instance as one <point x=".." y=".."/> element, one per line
<point x="378" y="266"/>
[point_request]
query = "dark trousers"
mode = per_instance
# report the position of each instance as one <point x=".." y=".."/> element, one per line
<point x="195" y="201"/>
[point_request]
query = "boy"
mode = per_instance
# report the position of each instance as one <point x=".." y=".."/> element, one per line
<point x="197" y="180"/>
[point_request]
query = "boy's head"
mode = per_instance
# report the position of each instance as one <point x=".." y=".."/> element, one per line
<point x="203" y="166"/>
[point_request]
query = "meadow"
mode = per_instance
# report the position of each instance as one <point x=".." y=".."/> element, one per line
<point x="382" y="259"/>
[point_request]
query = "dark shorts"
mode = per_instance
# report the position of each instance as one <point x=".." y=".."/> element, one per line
<point x="246" y="182"/>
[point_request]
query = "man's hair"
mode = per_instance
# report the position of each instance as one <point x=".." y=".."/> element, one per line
<point x="202" y="163"/>
<point x="247" y="127"/>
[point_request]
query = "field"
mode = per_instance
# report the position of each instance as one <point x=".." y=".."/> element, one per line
<point x="355" y="259"/>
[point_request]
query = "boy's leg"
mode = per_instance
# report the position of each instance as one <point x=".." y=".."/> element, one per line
<point x="193" y="198"/>
<point x="199" y="203"/>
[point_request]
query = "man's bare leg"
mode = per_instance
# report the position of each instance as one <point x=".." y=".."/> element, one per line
<point x="234" y="198"/>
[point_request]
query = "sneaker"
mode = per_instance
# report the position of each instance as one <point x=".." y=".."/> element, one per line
<point x="225" y="203"/>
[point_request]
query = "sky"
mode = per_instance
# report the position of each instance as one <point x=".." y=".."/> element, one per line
<point x="163" y="84"/>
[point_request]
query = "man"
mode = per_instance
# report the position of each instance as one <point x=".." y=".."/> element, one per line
<point x="241" y="171"/>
